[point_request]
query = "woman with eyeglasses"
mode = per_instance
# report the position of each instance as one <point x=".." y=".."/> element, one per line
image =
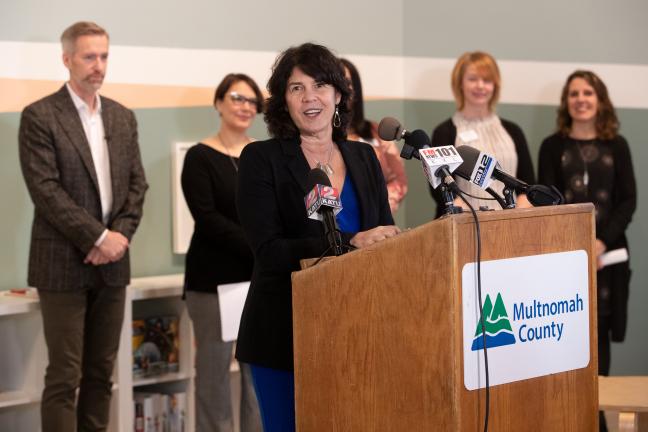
<point x="219" y="253"/>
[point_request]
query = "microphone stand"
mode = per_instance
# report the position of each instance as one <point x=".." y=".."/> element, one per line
<point x="448" y="199"/>
<point x="508" y="202"/>
<point x="509" y="198"/>
<point x="332" y="233"/>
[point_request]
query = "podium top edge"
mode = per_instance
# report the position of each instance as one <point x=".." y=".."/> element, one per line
<point x="522" y="213"/>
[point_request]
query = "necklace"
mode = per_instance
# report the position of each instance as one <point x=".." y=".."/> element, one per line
<point x="227" y="152"/>
<point x="588" y="153"/>
<point x="326" y="167"/>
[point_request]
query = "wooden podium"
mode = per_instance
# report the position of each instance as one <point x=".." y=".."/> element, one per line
<point x="378" y="341"/>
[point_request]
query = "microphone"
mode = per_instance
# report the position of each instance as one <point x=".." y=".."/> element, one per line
<point x="480" y="168"/>
<point x="390" y="129"/>
<point x="323" y="203"/>
<point x="439" y="163"/>
<point x="477" y="167"/>
<point x="541" y="195"/>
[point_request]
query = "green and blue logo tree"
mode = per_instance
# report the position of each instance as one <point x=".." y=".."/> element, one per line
<point x="497" y="326"/>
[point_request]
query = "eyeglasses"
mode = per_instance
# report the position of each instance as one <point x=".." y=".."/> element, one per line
<point x="240" y="100"/>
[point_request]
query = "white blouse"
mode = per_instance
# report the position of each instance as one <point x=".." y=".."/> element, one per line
<point x="488" y="135"/>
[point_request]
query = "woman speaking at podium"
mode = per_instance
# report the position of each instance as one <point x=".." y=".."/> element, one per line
<point x="307" y="116"/>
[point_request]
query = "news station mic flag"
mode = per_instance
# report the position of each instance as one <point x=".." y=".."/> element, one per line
<point x="480" y="169"/>
<point x="434" y="159"/>
<point x="323" y="203"/>
<point x="321" y="195"/>
<point x="477" y="168"/>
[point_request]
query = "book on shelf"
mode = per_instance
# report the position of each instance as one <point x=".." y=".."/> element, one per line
<point x="155" y="346"/>
<point x="160" y="412"/>
<point x="177" y="412"/>
<point x="146" y="405"/>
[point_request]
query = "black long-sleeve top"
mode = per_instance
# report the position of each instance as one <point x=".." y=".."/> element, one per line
<point x="218" y="252"/>
<point x="601" y="172"/>
<point x="611" y="183"/>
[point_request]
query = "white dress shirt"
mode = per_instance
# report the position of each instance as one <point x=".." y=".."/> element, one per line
<point x="94" y="131"/>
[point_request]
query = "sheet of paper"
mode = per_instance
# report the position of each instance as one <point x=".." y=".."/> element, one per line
<point x="231" y="299"/>
<point x="615" y="256"/>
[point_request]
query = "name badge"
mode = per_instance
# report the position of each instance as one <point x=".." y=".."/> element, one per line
<point x="468" y="136"/>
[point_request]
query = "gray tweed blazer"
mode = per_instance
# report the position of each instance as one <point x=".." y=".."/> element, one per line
<point x="60" y="175"/>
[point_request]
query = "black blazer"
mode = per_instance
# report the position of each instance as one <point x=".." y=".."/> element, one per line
<point x="271" y="190"/>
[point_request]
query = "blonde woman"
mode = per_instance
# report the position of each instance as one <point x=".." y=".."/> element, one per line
<point x="476" y="85"/>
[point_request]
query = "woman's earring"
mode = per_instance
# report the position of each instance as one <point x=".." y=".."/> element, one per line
<point x="336" y="118"/>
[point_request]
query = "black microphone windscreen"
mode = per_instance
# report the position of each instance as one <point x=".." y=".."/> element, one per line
<point x="317" y="176"/>
<point x="470" y="156"/>
<point x="541" y="195"/>
<point x="389" y="129"/>
<point x="418" y="139"/>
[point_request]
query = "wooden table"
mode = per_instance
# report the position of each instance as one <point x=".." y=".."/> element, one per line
<point x="627" y="395"/>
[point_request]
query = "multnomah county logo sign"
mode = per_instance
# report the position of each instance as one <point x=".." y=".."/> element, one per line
<point x="497" y="326"/>
<point x="536" y="317"/>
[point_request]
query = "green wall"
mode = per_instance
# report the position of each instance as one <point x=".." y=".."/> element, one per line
<point x="593" y="31"/>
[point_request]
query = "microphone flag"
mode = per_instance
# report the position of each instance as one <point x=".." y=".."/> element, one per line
<point x="319" y="196"/>
<point x="434" y="158"/>
<point x="482" y="174"/>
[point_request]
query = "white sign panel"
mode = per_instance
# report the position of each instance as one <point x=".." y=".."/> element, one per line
<point x="536" y="312"/>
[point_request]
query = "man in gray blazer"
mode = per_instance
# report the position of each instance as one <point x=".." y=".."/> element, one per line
<point x="81" y="162"/>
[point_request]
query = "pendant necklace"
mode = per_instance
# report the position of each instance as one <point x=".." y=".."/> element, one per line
<point x="584" y="152"/>
<point x="227" y="152"/>
<point x="326" y="167"/>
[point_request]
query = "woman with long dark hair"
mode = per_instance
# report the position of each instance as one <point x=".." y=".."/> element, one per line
<point x="361" y="129"/>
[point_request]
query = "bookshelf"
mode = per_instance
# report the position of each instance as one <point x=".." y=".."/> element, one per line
<point x="145" y="297"/>
<point x="25" y="359"/>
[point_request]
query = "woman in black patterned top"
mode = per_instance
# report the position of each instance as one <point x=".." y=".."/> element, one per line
<point x="590" y="162"/>
<point x="219" y="253"/>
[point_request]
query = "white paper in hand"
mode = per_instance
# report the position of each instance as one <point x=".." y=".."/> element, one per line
<point x="231" y="299"/>
<point x="615" y="256"/>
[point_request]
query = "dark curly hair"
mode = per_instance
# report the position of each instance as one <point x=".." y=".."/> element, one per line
<point x="318" y="62"/>
<point x="359" y="124"/>
<point x="607" y="124"/>
<point x="233" y="78"/>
